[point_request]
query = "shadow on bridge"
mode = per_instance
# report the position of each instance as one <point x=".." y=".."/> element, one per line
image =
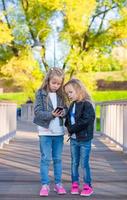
<point x="19" y="168"/>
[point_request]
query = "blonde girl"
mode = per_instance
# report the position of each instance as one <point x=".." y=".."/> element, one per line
<point x="50" y="127"/>
<point x="80" y="125"/>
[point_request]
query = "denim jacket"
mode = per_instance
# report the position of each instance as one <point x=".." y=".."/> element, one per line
<point x="43" y="109"/>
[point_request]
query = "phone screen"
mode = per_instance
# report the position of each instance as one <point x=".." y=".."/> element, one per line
<point x="58" y="109"/>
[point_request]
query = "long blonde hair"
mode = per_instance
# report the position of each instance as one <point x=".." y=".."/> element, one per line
<point x="55" y="71"/>
<point x="80" y="89"/>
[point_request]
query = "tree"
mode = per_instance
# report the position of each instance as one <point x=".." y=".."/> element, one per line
<point x="92" y="29"/>
<point x="88" y="41"/>
<point x="17" y="62"/>
<point x="24" y="70"/>
<point x="91" y="32"/>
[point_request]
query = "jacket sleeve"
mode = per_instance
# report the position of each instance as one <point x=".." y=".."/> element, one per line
<point x="87" y="117"/>
<point x="39" y="109"/>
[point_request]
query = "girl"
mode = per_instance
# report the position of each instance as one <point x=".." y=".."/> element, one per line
<point x="80" y="125"/>
<point x="50" y="128"/>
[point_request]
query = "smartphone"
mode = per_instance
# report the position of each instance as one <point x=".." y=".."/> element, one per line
<point x="58" y="109"/>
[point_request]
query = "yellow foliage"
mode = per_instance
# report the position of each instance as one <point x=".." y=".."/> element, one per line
<point x="119" y="27"/>
<point x="88" y="79"/>
<point x="5" y="34"/>
<point x="52" y="4"/>
<point x="82" y="61"/>
<point x="78" y="14"/>
<point x="25" y="72"/>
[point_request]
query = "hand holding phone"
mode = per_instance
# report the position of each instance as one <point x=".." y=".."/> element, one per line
<point x="58" y="112"/>
<point x="58" y="109"/>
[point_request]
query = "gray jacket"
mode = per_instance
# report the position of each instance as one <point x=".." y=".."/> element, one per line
<point x="43" y="109"/>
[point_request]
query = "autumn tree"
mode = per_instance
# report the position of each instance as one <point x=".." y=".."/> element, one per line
<point x="17" y="61"/>
<point x="91" y="28"/>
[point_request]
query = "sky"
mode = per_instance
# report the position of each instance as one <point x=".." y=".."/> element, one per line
<point x="56" y="50"/>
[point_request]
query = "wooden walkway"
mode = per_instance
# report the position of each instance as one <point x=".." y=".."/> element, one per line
<point x="19" y="169"/>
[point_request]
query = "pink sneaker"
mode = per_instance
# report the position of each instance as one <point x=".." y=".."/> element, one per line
<point x="75" y="188"/>
<point x="44" y="190"/>
<point x="86" y="191"/>
<point x="59" y="189"/>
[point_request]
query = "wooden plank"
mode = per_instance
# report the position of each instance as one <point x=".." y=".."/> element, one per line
<point x="19" y="169"/>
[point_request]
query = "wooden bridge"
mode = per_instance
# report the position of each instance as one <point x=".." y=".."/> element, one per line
<point x="19" y="167"/>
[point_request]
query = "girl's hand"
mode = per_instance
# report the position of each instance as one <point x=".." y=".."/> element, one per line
<point x="62" y="113"/>
<point x="57" y="113"/>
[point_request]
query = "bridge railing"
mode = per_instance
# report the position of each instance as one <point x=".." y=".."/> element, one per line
<point x="27" y="112"/>
<point x="7" y="122"/>
<point x="113" y="121"/>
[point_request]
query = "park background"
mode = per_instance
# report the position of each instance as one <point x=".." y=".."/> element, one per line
<point x="88" y="39"/>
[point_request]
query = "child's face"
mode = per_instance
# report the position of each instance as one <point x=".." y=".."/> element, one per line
<point x="55" y="83"/>
<point x="71" y="92"/>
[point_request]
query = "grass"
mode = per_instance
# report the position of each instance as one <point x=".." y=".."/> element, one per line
<point x="18" y="97"/>
<point x="109" y="95"/>
<point x="97" y="96"/>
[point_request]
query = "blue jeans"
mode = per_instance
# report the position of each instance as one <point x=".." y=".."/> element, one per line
<point x="51" y="149"/>
<point x="80" y="152"/>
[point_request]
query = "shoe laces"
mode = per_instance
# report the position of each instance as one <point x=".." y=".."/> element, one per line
<point x="45" y="186"/>
<point x="86" y="187"/>
<point x="59" y="185"/>
<point x="75" y="185"/>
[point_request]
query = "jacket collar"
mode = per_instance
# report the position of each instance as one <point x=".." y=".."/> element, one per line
<point x="45" y="93"/>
